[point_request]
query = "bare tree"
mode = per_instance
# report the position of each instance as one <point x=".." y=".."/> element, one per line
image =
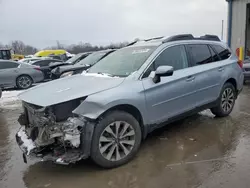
<point x="17" y="46"/>
<point x="20" y="48"/>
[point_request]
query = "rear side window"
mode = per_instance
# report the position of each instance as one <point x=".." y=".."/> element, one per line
<point x="224" y="53"/>
<point x="44" y="63"/>
<point x="200" y="54"/>
<point x="173" y="56"/>
<point x="41" y="63"/>
<point x="8" y="65"/>
<point x="214" y="55"/>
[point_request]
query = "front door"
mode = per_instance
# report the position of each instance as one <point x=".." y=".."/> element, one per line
<point x="173" y="95"/>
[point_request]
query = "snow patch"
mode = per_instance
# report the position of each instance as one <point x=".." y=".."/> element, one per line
<point x="103" y="75"/>
<point x="10" y="100"/>
<point x="96" y="75"/>
<point x="28" y="144"/>
<point x="9" y="96"/>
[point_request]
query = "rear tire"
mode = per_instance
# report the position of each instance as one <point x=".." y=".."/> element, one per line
<point x="226" y="101"/>
<point x="116" y="139"/>
<point x="24" y="82"/>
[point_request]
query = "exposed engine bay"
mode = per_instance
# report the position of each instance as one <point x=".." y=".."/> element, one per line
<point x="52" y="133"/>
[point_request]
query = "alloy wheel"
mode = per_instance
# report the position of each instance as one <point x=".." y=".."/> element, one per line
<point x="24" y="82"/>
<point x="227" y="100"/>
<point x="117" y="141"/>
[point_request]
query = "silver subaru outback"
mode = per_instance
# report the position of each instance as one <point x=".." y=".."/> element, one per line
<point x="106" y="112"/>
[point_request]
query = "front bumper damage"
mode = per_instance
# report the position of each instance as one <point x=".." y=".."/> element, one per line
<point x="61" y="142"/>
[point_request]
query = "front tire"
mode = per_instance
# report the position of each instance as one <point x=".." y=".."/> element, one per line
<point x="24" y="82"/>
<point x="116" y="139"/>
<point x="226" y="101"/>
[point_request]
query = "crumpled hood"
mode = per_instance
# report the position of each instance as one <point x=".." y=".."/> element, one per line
<point x="61" y="69"/>
<point x="68" y="88"/>
<point x="57" y="64"/>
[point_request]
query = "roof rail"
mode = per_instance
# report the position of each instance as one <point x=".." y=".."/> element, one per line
<point x="132" y="43"/>
<point x="210" y="37"/>
<point x="145" y="40"/>
<point x="191" y="37"/>
<point x="155" y="38"/>
<point x="179" y="37"/>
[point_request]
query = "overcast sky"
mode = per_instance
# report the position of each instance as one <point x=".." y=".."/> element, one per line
<point x="42" y="22"/>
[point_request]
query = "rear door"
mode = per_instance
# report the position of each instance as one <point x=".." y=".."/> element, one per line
<point x="206" y="71"/>
<point x="173" y="95"/>
<point x="8" y="72"/>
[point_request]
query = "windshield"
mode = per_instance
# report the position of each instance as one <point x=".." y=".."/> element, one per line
<point x="123" y="62"/>
<point x="28" y="60"/>
<point x="92" y="58"/>
<point x="73" y="59"/>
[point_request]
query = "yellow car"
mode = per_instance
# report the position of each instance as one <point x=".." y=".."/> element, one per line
<point x="45" y="53"/>
<point x="17" y="57"/>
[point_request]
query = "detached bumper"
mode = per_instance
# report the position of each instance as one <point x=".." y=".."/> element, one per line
<point x="52" y="152"/>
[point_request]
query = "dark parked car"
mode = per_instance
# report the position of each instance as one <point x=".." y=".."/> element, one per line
<point x="70" y="61"/>
<point x="44" y="64"/>
<point x="0" y="92"/>
<point x="80" y="66"/>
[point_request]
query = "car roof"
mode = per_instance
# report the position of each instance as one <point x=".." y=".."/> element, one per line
<point x="2" y="60"/>
<point x="37" y="60"/>
<point x="176" y="39"/>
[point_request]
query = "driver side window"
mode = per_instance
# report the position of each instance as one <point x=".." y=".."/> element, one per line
<point x="173" y="56"/>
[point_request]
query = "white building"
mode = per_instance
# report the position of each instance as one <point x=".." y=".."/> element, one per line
<point x="239" y="25"/>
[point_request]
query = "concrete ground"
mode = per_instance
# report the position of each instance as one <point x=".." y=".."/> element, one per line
<point x="200" y="151"/>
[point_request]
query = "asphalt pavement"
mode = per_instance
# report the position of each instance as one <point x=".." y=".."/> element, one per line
<point x="199" y="151"/>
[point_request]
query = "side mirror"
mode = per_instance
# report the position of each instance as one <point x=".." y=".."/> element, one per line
<point x="162" y="71"/>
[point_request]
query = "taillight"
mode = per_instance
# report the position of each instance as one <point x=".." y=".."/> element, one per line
<point x="240" y="63"/>
<point x="37" y="68"/>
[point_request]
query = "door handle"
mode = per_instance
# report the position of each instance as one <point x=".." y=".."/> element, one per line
<point x="221" y="69"/>
<point x="190" y="78"/>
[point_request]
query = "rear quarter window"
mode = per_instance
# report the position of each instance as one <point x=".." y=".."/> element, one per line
<point x="200" y="54"/>
<point x="8" y="65"/>
<point x="224" y="53"/>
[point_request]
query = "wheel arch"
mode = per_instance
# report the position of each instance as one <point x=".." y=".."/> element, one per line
<point x="232" y="81"/>
<point x="130" y="109"/>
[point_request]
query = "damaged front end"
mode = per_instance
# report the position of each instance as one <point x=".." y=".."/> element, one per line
<point x="54" y="133"/>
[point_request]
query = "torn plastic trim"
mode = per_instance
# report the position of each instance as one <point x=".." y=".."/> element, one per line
<point x="72" y="130"/>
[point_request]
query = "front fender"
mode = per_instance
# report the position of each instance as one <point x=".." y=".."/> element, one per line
<point x="95" y="105"/>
